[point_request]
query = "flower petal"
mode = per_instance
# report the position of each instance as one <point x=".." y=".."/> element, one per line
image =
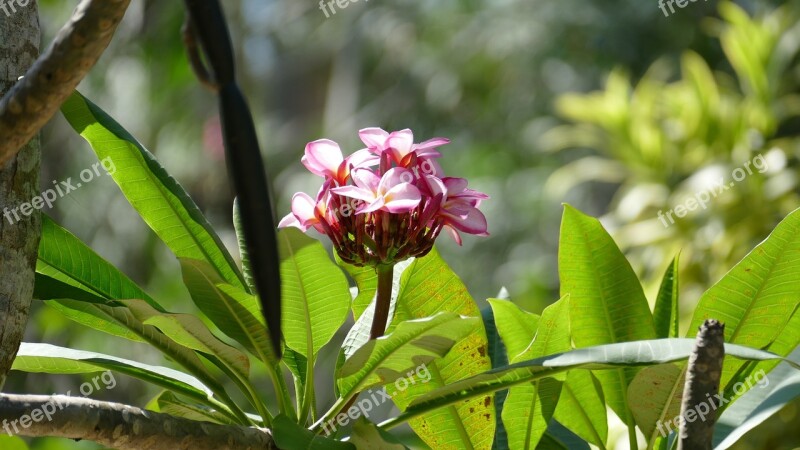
<point x="291" y="221"/>
<point x="453" y="233"/>
<point x="323" y="157"/>
<point x="373" y="138"/>
<point x="400" y="143"/>
<point x="366" y="179"/>
<point x="355" y="192"/>
<point x="402" y="198"/>
<point x="431" y="143"/>
<point x="474" y="222"/>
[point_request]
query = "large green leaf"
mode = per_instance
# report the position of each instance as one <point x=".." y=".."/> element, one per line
<point x="316" y="296"/>
<point x="411" y="344"/>
<point x="428" y="286"/>
<point x="516" y="327"/>
<point x="155" y="195"/>
<point x="757" y="297"/>
<point x="602" y="357"/>
<point x="582" y="408"/>
<point x="63" y="257"/>
<point x="607" y="303"/>
<point x="665" y="312"/>
<point x="235" y="312"/>
<point x="46" y="358"/>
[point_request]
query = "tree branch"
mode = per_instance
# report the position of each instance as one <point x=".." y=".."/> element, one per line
<point x="19" y="183"/>
<point x="120" y="426"/>
<point x="702" y="384"/>
<point x="26" y="108"/>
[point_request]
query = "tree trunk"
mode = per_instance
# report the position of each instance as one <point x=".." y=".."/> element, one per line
<point x="19" y="183"/>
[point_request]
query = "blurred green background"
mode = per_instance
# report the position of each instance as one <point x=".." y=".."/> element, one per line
<point x="609" y="106"/>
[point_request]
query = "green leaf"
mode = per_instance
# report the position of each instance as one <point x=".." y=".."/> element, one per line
<point x="582" y="409"/>
<point x="155" y="195"/>
<point x="757" y="297"/>
<point x="191" y="332"/>
<point x="499" y="358"/>
<point x="367" y="282"/>
<point x="530" y="407"/>
<point x="665" y="312"/>
<point x="246" y="271"/>
<point x="516" y="327"/>
<point x="605" y="357"/>
<point x="12" y="443"/>
<point x="607" y="304"/>
<point x="411" y="344"/>
<point x="655" y="396"/>
<point x="316" y="296"/>
<point x="235" y="312"/>
<point x="63" y="257"/>
<point x="428" y="286"/>
<point x="527" y="411"/>
<point x="366" y="436"/>
<point x="289" y="435"/>
<point x="774" y="392"/>
<point x="168" y="403"/>
<point x="45" y="358"/>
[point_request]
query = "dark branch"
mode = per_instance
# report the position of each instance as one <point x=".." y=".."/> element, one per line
<point x="27" y="107"/>
<point x="702" y="385"/>
<point x="120" y="426"/>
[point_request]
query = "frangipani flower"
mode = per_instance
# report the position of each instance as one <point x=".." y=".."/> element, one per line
<point x="382" y="215"/>
<point x="323" y="157"/>
<point x="399" y="145"/>
<point x="388" y="193"/>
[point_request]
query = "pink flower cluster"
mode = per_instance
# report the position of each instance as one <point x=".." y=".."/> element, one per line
<point x="387" y="202"/>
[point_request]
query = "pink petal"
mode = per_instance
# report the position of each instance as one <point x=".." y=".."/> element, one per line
<point x="362" y="159"/>
<point x="429" y="166"/>
<point x="373" y="137"/>
<point x="435" y="186"/>
<point x="355" y="192"/>
<point x="400" y="142"/>
<point x="393" y="177"/>
<point x="431" y="143"/>
<point x="402" y="198"/>
<point x="473" y="223"/>
<point x="291" y="221"/>
<point x="374" y="206"/>
<point x="323" y="157"/>
<point x="453" y="233"/>
<point x="303" y="207"/>
<point x="455" y="186"/>
<point x="366" y="179"/>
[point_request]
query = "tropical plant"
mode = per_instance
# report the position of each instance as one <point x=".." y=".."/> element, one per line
<point x="445" y="364"/>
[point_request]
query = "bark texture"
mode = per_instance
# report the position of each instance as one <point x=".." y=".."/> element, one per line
<point x="19" y="183"/>
<point x="78" y="46"/>
<point x="120" y="426"/>
<point x="702" y="385"/>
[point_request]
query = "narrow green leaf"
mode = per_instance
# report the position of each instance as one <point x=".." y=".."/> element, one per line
<point x="602" y="357"/>
<point x="168" y="403"/>
<point x="45" y="358"/>
<point x="527" y="411"/>
<point x="316" y="296"/>
<point x="665" y="312"/>
<point x="235" y="312"/>
<point x="582" y="408"/>
<point x="516" y="327"/>
<point x="246" y="270"/>
<point x="155" y="195"/>
<point x="607" y="303"/>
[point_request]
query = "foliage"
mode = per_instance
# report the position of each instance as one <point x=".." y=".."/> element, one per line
<point x="599" y="345"/>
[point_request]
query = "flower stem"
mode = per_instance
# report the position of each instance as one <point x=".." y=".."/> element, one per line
<point x="382" y="301"/>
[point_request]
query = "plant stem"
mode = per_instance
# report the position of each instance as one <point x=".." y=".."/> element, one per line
<point x="281" y="391"/>
<point x="383" y="300"/>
